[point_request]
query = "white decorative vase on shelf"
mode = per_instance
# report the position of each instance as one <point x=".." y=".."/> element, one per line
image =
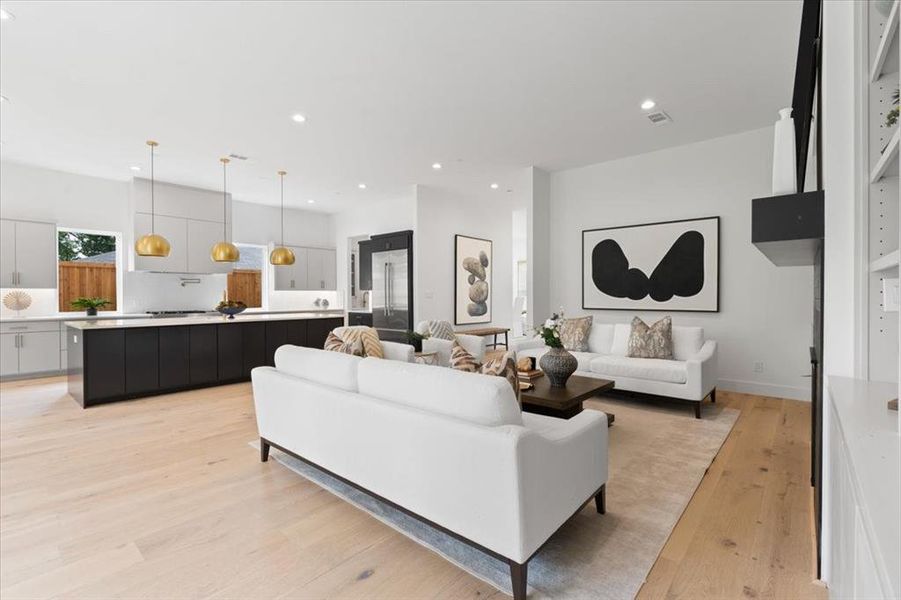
<point x="784" y="161"/>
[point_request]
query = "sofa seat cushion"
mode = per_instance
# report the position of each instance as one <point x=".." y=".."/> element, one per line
<point x="473" y="397"/>
<point x="334" y="369"/>
<point x="652" y="369"/>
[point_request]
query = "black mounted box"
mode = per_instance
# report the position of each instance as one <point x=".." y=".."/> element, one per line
<point x="788" y="229"/>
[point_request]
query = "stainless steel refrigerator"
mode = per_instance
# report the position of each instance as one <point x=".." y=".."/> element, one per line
<point x="390" y="291"/>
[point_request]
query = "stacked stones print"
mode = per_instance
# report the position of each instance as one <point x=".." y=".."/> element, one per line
<point x="478" y="284"/>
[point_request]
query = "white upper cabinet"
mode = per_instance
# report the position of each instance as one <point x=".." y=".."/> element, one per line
<point x="202" y="236"/>
<point x="322" y="269"/>
<point x="27" y="254"/>
<point x="182" y="201"/>
<point x="293" y="277"/>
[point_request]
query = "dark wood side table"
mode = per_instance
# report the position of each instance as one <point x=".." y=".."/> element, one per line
<point x="565" y="402"/>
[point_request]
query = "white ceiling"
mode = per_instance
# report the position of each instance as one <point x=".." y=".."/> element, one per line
<point x="388" y="88"/>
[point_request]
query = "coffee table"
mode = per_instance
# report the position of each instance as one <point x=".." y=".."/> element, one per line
<point x="565" y="402"/>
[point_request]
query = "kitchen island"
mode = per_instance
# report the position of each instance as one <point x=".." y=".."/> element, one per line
<point x="119" y="359"/>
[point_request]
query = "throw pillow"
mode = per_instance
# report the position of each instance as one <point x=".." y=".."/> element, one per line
<point x="504" y="365"/>
<point x="462" y="360"/>
<point x="655" y="341"/>
<point x="335" y="344"/>
<point x="440" y="330"/>
<point x="368" y="337"/>
<point x="574" y="333"/>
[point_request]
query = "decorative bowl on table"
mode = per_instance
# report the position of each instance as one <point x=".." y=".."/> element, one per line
<point x="231" y="308"/>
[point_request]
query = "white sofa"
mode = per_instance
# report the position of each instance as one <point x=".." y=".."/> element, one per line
<point x="449" y="448"/>
<point x="391" y="350"/>
<point x="691" y="375"/>
<point x="476" y="345"/>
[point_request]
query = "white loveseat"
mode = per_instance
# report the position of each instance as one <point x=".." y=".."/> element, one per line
<point x="449" y="448"/>
<point x="391" y="350"/>
<point x="476" y="345"/>
<point x="691" y="375"/>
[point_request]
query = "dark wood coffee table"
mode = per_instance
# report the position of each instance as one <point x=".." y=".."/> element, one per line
<point x="565" y="402"/>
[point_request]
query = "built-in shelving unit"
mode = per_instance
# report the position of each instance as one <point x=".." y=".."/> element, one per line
<point x="885" y="263"/>
<point x="886" y="42"/>
<point x="887" y="165"/>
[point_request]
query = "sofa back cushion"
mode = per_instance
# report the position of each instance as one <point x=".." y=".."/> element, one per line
<point x="482" y="399"/>
<point x="600" y="338"/>
<point x="333" y="369"/>
<point x="620" y="344"/>
<point x="687" y="341"/>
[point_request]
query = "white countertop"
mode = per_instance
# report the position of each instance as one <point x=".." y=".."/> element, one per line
<point x="201" y="320"/>
<point x="74" y="316"/>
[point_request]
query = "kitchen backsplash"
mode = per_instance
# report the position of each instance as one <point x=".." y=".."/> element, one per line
<point x="169" y="291"/>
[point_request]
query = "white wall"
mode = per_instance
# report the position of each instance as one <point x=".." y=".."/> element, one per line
<point x="440" y="215"/>
<point x="260" y="224"/>
<point x="766" y="312"/>
<point x="538" y="199"/>
<point x="398" y="214"/>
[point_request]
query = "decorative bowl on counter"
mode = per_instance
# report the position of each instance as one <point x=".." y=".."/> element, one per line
<point x="231" y="308"/>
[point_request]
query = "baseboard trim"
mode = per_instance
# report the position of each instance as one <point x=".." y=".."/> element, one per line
<point x="764" y="389"/>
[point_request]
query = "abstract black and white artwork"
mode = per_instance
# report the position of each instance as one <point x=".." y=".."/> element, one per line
<point x="671" y="266"/>
<point x="472" y="280"/>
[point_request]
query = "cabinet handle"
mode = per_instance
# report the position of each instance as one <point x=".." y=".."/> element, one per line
<point x="18" y="327"/>
<point x="21" y="341"/>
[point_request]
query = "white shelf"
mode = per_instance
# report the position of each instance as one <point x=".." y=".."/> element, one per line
<point x="887" y="165"/>
<point x="889" y="32"/>
<point x="884" y="263"/>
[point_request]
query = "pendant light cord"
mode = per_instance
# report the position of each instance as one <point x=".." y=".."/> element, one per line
<point x="282" y="185"/>
<point x="224" y="202"/>
<point x="152" y="199"/>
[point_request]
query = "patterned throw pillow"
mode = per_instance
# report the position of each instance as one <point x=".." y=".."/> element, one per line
<point x="504" y="365"/>
<point x="440" y="330"/>
<point x="655" y="341"/>
<point x="462" y="360"/>
<point x="368" y="337"/>
<point x="574" y="333"/>
<point x="335" y="344"/>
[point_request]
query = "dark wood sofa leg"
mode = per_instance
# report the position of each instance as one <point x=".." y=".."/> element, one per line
<point x="713" y="396"/>
<point x="264" y="450"/>
<point x="519" y="577"/>
<point x="697" y="410"/>
<point x="600" y="500"/>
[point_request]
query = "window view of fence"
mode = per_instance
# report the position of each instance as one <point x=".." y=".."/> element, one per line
<point x="245" y="282"/>
<point x="87" y="269"/>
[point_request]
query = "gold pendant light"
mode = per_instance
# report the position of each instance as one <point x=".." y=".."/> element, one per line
<point x="152" y="244"/>
<point x="224" y="251"/>
<point x="282" y="255"/>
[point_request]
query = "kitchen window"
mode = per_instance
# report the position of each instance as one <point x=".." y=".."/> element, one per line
<point x="88" y="267"/>
<point x="245" y="281"/>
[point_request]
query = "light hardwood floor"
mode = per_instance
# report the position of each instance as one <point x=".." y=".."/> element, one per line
<point x="162" y="498"/>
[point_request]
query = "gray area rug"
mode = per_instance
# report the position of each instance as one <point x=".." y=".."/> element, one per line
<point x="658" y="456"/>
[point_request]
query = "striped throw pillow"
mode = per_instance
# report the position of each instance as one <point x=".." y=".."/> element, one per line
<point x="504" y="365"/>
<point x="335" y="344"/>
<point x="441" y="330"/>
<point x="368" y="337"/>
<point x="462" y="360"/>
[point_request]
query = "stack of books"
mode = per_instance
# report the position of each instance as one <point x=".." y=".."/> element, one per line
<point x="529" y="376"/>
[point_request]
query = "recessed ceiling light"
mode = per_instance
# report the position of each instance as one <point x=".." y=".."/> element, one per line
<point x="5" y="15"/>
<point x="311" y="202"/>
<point x="135" y="168"/>
<point x="436" y="166"/>
<point x="362" y="186"/>
<point x="298" y="118"/>
<point x="648" y="104"/>
<point x="494" y="186"/>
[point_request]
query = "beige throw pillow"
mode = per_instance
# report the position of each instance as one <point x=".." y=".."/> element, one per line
<point x="368" y="337"/>
<point x="462" y="360"/>
<point x="504" y="365"/>
<point x="655" y="341"/>
<point x="335" y="344"/>
<point x="574" y="333"/>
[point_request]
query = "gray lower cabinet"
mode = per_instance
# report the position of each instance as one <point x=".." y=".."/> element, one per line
<point x="29" y="349"/>
<point x="9" y="354"/>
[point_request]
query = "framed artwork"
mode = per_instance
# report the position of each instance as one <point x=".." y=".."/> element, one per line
<point x="670" y="266"/>
<point x="472" y="280"/>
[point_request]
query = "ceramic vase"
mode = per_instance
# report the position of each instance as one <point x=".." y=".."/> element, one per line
<point x="558" y="365"/>
<point x="784" y="159"/>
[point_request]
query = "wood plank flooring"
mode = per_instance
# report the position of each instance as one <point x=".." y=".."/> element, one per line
<point x="161" y="498"/>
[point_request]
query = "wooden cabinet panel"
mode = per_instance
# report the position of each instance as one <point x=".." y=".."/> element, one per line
<point x="254" y="341"/>
<point x="296" y="333"/>
<point x="38" y="352"/>
<point x="204" y="348"/>
<point x="175" y="357"/>
<point x="36" y="254"/>
<point x="318" y="330"/>
<point x="231" y="352"/>
<point x="142" y="360"/>
<point x="276" y="335"/>
<point x="7" y="253"/>
<point x="104" y="364"/>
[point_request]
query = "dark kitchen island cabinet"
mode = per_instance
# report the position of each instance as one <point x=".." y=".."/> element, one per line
<point x="118" y="360"/>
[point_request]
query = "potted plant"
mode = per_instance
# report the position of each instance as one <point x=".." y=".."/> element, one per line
<point x="415" y="339"/>
<point x="90" y="305"/>
<point x="557" y="363"/>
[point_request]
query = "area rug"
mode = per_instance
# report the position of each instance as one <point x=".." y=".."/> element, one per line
<point x="658" y="456"/>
